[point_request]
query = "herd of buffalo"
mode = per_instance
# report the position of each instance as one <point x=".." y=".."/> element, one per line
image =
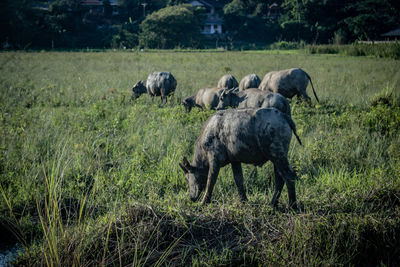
<point x="258" y="128"/>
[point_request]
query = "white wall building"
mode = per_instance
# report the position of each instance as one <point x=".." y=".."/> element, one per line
<point x="213" y="23"/>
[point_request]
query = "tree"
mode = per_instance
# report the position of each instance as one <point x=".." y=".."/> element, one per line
<point x="353" y="19"/>
<point x="107" y="8"/>
<point x="246" y="20"/>
<point x="170" y="27"/>
<point x="138" y="9"/>
<point x="368" y="19"/>
<point x="19" y="22"/>
<point x="64" y="21"/>
<point x="64" y="16"/>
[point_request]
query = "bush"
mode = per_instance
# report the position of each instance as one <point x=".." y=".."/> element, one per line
<point x="284" y="45"/>
<point x="384" y="116"/>
<point x="322" y="49"/>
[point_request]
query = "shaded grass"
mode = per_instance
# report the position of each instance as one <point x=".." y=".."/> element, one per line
<point x="115" y="194"/>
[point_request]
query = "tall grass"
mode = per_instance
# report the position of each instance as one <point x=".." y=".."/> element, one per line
<point x="381" y="50"/>
<point x="91" y="177"/>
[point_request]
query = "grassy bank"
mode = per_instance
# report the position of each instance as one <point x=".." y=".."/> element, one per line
<point x="90" y="177"/>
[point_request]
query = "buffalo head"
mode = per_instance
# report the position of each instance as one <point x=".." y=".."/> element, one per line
<point x="138" y="89"/>
<point x="188" y="102"/>
<point x="195" y="179"/>
<point x="226" y="98"/>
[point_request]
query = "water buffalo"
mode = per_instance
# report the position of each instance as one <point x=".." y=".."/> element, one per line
<point x="205" y="97"/>
<point x="227" y="81"/>
<point x="157" y="84"/>
<point x="249" y="81"/>
<point x="253" y="98"/>
<point x="236" y="136"/>
<point x="288" y="83"/>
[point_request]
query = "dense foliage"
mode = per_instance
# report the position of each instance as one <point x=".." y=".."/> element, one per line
<point x="170" y="27"/>
<point x="69" y="24"/>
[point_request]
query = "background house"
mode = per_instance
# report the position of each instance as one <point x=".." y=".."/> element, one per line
<point x="97" y="6"/>
<point x="274" y="11"/>
<point x="392" y="35"/>
<point x="213" y="23"/>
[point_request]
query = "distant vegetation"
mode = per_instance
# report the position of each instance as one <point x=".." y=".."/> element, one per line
<point x="378" y="50"/>
<point x="27" y="24"/>
<point x="90" y="177"/>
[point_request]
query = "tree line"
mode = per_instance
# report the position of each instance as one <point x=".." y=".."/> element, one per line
<point x="175" y="23"/>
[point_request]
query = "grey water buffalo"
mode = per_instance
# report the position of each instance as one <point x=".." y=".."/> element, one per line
<point x="236" y="136"/>
<point x="157" y="84"/>
<point x="249" y="81"/>
<point x="253" y="98"/>
<point x="288" y="83"/>
<point x="205" y="97"/>
<point x="227" y="81"/>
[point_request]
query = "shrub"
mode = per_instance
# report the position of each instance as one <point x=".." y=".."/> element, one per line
<point x="284" y="45"/>
<point x="384" y="116"/>
<point x="322" y="49"/>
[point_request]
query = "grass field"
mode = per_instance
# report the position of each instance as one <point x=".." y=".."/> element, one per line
<point x="89" y="177"/>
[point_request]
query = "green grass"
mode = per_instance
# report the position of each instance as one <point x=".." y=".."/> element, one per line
<point x="89" y="177"/>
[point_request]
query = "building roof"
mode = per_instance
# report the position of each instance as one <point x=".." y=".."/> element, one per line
<point x="274" y="5"/>
<point x="392" y="33"/>
<point x="97" y="2"/>
<point x="210" y="3"/>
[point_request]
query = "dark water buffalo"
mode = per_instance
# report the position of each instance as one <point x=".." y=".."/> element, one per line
<point x="237" y="136"/>
<point x="253" y="98"/>
<point x="157" y="84"/>
<point x="205" y="97"/>
<point x="288" y="83"/>
<point x="249" y="81"/>
<point x="227" y="81"/>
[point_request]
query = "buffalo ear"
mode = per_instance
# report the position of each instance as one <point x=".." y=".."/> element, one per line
<point x="230" y="91"/>
<point x="223" y="92"/>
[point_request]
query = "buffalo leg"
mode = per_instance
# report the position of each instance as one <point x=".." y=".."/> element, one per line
<point x="211" y="179"/>
<point x="279" y="182"/>
<point x="238" y="175"/>
<point x="284" y="170"/>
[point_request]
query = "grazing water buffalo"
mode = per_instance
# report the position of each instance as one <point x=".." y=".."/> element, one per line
<point x="288" y="83"/>
<point x="253" y="98"/>
<point x="237" y="136"/>
<point x="157" y="84"/>
<point x="227" y="81"/>
<point x="205" y="97"/>
<point x="249" y="81"/>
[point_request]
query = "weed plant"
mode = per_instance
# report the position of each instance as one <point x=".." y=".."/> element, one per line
<point x="90" y="177"/>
